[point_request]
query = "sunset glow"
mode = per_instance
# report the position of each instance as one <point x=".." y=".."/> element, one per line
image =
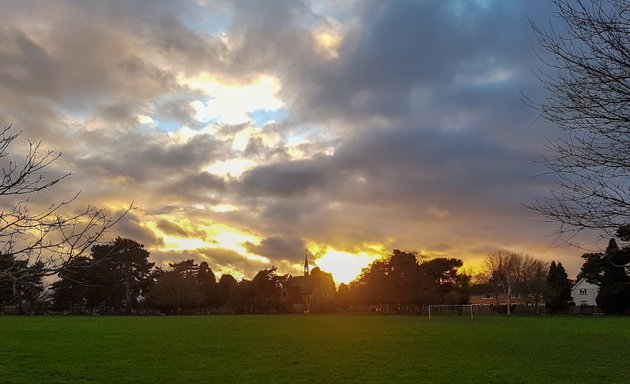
<point x="246" y="132"/>
<point x="328" y="42"/>
<point x="344" y="266"/>
<point x="233" y="167"/>
<point x="230" y="102"/>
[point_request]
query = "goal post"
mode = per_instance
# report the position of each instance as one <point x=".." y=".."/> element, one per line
<point x="465" y="308"/>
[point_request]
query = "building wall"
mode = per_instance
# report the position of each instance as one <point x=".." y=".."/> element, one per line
<point x="493" y="299"/>
<point x="583" y="293"/>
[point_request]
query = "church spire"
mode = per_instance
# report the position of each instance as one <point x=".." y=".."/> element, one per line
<point x="306" y="272"/>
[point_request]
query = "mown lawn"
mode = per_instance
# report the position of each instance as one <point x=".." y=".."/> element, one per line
<point x="314" y="349"/>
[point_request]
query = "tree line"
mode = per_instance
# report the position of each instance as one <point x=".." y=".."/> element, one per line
<point x="532" y="281"/>
<point x="400" y="282"/>
<point x="119" y="278"/>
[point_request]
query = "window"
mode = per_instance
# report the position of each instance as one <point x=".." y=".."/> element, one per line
<point x="488" y="295"/>
<point x="584" y="303"/>
<point x="475" y="295"/>
<point x="582" y="291"/>
<point x="516" y="296"/>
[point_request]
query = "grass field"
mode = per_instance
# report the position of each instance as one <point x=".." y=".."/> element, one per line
<point x="314" y="349"/>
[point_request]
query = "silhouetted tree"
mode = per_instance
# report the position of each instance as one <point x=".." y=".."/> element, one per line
<point x="588" y="96"/>
<point x="123" y="272"/>
<point x="558" y="288"/>
<point x="503" y="270"/>
<point x="324" y="293"/>
<point x="403" y="277"/>
<point x="20" y="284"/>
<point x="178" y="287"/>
<point x="400" y="280"/>
<point x="372" y="285"/>
<point x="514" y="274"/>
<point x="606" y="270"/>
<point x="187" y="269"/>
<point x="186" y="286"/>
<point x="266" y="291"/>
<point x="75" y="286"/>
<point x="228" y="290"/>
<point x="442" y="282"/>
<point x="533" y="281"/>
<point x="50" y="236"/>
<point x="207" y="285"/>
<point x="344" y="298"/>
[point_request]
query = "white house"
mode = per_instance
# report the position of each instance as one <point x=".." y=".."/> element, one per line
<point x="583" y="293"/>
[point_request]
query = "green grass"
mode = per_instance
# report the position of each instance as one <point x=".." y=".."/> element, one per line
<point x="314" y="349"/>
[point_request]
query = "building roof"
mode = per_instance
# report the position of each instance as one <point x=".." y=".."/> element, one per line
<point x="581" y="282"/>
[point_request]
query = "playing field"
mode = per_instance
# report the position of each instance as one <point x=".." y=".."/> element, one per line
<point x="314" y="349"/>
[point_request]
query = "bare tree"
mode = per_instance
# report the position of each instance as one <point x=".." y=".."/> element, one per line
<point x="512" y="274"/>
<point x="49" y="237"/>
<point x="503" y="270"/>
<point x="533" y="280"/>
<point x="588" y="96"/>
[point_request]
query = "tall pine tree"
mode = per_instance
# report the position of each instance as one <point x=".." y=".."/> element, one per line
<point x="558" y="290"/>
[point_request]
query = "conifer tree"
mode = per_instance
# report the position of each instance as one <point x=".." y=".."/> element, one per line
<point x="558" y="291"/>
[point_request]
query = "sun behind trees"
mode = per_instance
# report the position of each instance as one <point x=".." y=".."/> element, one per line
<point x="401" y="282"/>
<point x="118" y="278"/>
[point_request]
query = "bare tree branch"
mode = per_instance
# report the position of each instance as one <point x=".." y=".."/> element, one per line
<point x="49" y="237"/>
<point x="587" y="96"/>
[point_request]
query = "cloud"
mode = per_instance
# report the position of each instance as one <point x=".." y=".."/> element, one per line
<point x="279" y="248"/>
<point x="145" y="157"/>
<point x="286" y="178"/>
<point x="131" y="227"/>
<point x="396" y="123"/>
<point x="175" y="229"/>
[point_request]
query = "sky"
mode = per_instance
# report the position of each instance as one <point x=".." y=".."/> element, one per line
<point x="247" y="131"/>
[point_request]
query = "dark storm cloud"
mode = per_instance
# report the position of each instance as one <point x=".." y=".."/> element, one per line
<point x="269" y="35"/>
<point x="427" y="97"/>
<point x="287" y="178"/>
<point x="133" y="156"/>
<point x="401" y="165"/>
<point x="196" y="187"/>
<point x="27" y="68"/>
<point x="401" y="48"/>
<point x="417" y="187"/>
<point x="79" y="69"/>
<point x="279" y="248"/>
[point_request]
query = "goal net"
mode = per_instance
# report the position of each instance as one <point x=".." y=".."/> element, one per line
<point x="451" y="310"/>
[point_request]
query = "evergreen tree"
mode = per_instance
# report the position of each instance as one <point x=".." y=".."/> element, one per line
<point x="558" y="289"/>
<point x="208" y="288"/>
<point x="614" y="291"/>
<point x="75" y="284"/>
<point x="608" y="271"/>
<point x="228" y="290"/>
<point x="177" y="289"/>
<point x="122" y="272"/>
<point x="20" y="283"/>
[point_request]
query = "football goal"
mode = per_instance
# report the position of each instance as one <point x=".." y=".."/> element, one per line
<point x="451" y="309"/>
